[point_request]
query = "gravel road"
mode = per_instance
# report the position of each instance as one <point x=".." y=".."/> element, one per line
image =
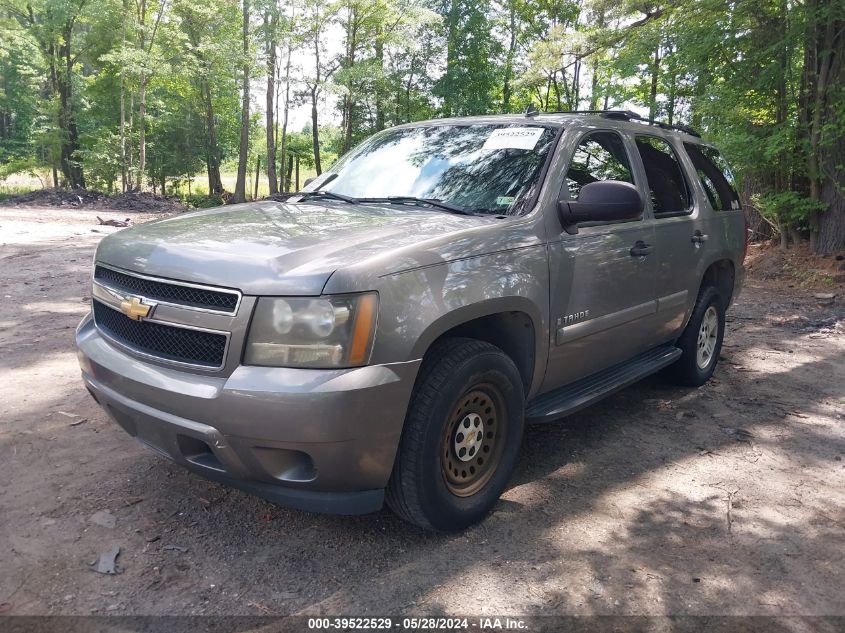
<point x="728" y="499"/>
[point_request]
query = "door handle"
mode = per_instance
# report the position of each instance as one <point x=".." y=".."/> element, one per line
<point x="698" y="238"/>
<point x="640" y="249"/>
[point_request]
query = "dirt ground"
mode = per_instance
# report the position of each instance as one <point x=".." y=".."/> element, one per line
<point x="728" y="499"/>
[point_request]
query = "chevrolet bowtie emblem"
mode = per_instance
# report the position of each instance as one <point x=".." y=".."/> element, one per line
<point x="134" y="309"/>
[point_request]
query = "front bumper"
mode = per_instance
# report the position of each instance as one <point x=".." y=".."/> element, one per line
<point x="320" y="440"/>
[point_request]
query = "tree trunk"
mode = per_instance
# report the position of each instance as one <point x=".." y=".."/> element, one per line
<point x="123" y="182"/>
<point x="243" y="155"/>
<point x="57" y="53"/>
<point x="594" y="83"/>
<point x="754" y="184"/>
<point x="655" y="73"/>
<point x="146" y="47"/>
<point x="270" y="26"/>
<point x="831" y="161"/>
<point x="142" y="138"/>
<point x="781" y="176"/>
<point x="257" y="175"/>
<point x="671" y="98"/>
<point x="289" y="169"/>
<point x="556" y="86"/>
<point x="601" y="22"/>
<point x="315" y="132"/>
<point x="408" y="85"/>
<point x="452" y="46"/>
<point x="506" y="83"/>
<point x="130" y="163"/>
<point x="215" y="183"/>
<point x="379" y="55"/>
<point x="71" y="168"/>
<point x="286" y="111"/>
<point x="349" y="97"/>
<point x="142" y="98"/>
<point x="831" y="235"/>
<point x="315" y="88"/>
<point x="817" y="44"/>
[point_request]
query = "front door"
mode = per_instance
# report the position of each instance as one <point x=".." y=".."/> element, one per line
<point x="602" y="278"/>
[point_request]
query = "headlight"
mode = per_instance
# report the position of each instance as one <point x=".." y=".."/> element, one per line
<point x="328" y="332"/>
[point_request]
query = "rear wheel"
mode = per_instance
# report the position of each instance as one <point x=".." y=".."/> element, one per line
<point x="701" y="341"/>
<point x="461" y="436"/>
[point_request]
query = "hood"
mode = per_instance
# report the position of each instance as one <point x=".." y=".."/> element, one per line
<point x="277" y="247"/>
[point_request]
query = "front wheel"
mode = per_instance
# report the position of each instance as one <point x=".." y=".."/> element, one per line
<point x="701" y="341"/>
<point x="461" y="437"/>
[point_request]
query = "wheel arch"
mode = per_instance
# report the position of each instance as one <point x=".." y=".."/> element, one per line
<point x="513" y="324"/>
<point x="721" y="274"/>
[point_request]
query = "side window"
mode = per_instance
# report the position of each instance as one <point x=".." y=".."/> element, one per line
<point x="667" y="186"/>
<point x="599" y="156"/>
<point x="715" y="176"/>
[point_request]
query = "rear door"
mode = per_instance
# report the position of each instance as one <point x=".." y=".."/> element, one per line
<point x="680" y="234"/>
<point x="602" y="278"/>
<point x="686" y="232"/>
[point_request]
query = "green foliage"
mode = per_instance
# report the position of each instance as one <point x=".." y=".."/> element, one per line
<point x="29" y="166"/>
<point x="787" y="208"/>
<point x="201" y="201"/>
<point x="468" y="83"/>
<point x="101" y="157"/>
<point x="736" y="70"/>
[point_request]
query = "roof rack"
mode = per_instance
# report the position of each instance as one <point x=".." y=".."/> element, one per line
<point x="627" y="115"/>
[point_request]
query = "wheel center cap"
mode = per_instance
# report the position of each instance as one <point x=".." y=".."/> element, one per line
<point x="468" y="437"/>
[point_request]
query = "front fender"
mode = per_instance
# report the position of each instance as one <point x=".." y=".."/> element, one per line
<point x="420" y="305"/>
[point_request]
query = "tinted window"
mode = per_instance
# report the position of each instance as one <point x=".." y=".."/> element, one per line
<point x="666" y="184"/>
<point x="715" y="176"/>
<point x="485" y="167"/>
<point x="599" y="156"/>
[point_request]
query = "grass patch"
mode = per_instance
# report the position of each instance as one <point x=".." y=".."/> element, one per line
<point x="8" y="191"/>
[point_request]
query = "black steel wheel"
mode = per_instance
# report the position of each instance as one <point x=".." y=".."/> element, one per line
<point x="461" y="437"/>
<point x="474" y="440"/>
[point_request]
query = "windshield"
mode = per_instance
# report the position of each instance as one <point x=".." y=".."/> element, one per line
<point x="484" y="168"/>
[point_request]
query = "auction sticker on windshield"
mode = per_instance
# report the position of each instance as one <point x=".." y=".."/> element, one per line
<point x="513" y="138"/>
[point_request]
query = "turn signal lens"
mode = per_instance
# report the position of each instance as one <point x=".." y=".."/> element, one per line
<point x="362" y="330"/>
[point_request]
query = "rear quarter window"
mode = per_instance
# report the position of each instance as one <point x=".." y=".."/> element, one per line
<point x="715" y="176"/>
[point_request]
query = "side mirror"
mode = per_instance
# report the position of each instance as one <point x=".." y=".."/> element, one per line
<point x="308" y="181"/>
<point x="602" y="201"/>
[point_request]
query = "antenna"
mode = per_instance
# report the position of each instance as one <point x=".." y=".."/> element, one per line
<point x="531" y="111"/>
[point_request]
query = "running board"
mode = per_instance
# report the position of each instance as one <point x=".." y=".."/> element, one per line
<point x="582" y="393"/>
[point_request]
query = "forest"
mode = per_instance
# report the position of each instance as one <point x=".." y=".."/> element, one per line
<point x="168" y="96"/>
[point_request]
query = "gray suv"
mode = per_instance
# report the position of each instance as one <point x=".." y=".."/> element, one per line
<point x="385" y="334"/>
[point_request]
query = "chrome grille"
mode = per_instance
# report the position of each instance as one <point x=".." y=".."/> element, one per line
<point x="171" y="343"/>
<point x="182" y="294"/>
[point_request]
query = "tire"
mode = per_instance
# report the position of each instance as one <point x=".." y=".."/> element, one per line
<point x="698" y="359"/>
<point x="443" y="479"/>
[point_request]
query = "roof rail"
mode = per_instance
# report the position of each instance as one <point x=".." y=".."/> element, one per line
<point x="627" y="115"/>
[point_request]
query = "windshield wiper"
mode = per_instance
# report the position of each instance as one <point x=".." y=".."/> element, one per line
<point x="451" y="208"/>
<point x="322" y="193"/>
